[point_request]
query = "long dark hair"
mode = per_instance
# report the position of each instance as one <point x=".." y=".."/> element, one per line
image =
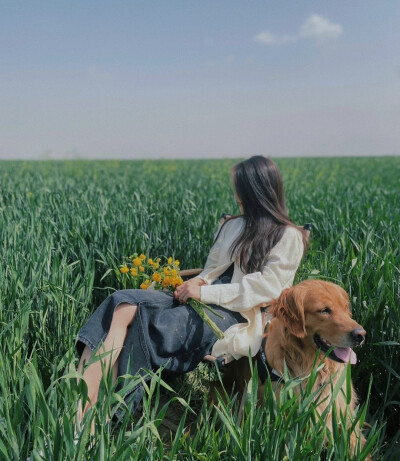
<point x="258" y="185"/>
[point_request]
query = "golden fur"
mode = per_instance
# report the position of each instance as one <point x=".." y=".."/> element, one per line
<point x="312" y="307"/>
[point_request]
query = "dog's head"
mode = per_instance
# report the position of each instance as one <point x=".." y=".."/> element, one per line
<point x="319" y="313"/>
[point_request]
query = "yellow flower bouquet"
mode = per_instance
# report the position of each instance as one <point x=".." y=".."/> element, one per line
<point x="139" y="271"/>
<point x="142" y="272"/>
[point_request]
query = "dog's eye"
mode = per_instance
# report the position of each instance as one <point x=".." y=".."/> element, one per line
<point x="326" y="310"/>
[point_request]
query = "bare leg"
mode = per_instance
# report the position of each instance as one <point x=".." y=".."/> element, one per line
<point x="123" y="316"/>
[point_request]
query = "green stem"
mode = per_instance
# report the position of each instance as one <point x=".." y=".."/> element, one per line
<point x="199" y="308"/>
<point x="205" y="306"/>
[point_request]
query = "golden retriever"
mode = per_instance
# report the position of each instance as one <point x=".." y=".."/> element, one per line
<point x="313" y="315"/>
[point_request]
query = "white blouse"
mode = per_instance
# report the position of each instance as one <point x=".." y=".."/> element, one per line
<point x="245" y="293"/>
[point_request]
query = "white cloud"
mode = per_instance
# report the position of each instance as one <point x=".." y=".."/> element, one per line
<point x="266" y="38"/>
<point x="319" y="27"/>
<point x="316" y="26"/>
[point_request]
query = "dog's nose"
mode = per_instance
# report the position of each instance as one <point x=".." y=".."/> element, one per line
<point x="358" y="335"/>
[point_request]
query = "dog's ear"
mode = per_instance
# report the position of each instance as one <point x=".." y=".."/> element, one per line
<point x="289" y="309"/>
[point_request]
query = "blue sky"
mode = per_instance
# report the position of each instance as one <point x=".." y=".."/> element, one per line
<point x="172" y="79"/>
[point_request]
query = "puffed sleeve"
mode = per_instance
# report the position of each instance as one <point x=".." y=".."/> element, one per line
<point x="213" y="256"/>
<point x="261" y="287"/>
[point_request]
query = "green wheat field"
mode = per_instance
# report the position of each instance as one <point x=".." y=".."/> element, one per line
<point x="64" y="224"/>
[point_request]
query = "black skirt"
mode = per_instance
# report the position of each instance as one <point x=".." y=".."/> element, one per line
<point x="164" y="333"/>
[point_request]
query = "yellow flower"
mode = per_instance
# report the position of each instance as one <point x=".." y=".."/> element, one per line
<point x="170" y="260"/>
<point x="144" y="286"/>
<point x="177" y="262"/>
<point x="134" y="271"/>
<point x="174" y="273"/>
<point x="158" y="260"/>
<point x="156" y="266"/>
<point x="176" y="281"/>
<point x="142" y="257"/>
<point x="137" y="262"/>
<point x="157" y="277"/>
<point x="150" y="261"/>
<point x="141" y="268"/>
<point x="124" y="269"/>
<point x="167" y="281"/>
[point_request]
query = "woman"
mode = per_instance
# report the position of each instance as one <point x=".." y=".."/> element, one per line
<point x="260" y="249"/>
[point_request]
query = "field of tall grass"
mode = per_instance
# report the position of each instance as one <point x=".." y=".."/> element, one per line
<point x="64" y="224"/>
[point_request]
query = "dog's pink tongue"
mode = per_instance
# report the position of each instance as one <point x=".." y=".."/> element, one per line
<point x="346" y="354"/>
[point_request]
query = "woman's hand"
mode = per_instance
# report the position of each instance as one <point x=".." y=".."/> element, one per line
<point x="196" y="281"/>
<point x="189" y="289"/>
